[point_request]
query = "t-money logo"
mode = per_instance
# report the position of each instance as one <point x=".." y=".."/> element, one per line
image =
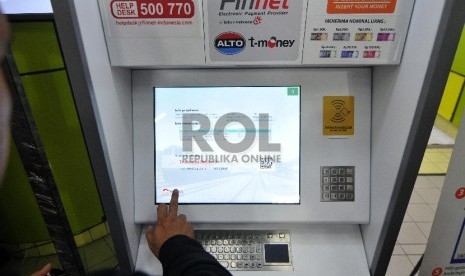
<point x="272" y="42"/>
<point x="229" y="43"/>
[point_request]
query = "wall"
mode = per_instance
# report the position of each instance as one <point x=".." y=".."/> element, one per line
<point x="44" y="78"/>
<point x="453" y="101"/>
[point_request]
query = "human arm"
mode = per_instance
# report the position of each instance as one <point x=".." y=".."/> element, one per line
<point x="44" y="271"/>
<point x="172" y="242"/>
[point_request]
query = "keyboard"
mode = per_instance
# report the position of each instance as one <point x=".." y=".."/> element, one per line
<point x="249" y="250"/>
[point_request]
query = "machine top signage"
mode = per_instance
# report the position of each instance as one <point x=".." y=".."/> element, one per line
<point x="255" y="32"/>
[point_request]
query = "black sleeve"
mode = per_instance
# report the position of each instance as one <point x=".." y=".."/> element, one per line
<point x="181" y="255"/>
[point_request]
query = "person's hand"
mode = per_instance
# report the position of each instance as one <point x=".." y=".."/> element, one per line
<point x="44" y="271"/>
<point x="168" y="225"/>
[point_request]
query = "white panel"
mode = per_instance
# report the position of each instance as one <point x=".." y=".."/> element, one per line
<point x="26" y="6"/>
<point x="316" y="149"/>
<point x="287" y="24"/>
<point x="358" y="50"/>
<point x="396" y="92"/>
<point x="112" y="99"/>
<point x="330" y="250"/>
<point x="153" y="41"/>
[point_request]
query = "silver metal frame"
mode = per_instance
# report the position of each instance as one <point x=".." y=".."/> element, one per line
<point x="436" y="77"/>
<point x="79" y="77"/>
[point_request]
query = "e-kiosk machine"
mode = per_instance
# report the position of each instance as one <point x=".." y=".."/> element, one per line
<point x="275" y="120"/>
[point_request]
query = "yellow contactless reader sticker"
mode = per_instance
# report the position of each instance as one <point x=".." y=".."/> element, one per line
<point x="338" y="115"/>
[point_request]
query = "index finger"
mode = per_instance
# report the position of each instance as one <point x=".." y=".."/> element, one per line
<point x="173" y="211"/>
<point x="161" y="212"/>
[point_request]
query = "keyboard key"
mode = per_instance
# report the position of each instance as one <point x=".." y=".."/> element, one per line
<point x="225" y="264"/>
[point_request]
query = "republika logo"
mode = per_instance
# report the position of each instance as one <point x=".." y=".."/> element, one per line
<point x="230" y="43"/>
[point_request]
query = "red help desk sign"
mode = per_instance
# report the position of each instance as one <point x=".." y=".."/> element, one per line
<point x="143" y="9"/>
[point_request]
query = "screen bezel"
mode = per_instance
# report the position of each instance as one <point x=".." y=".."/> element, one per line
<point x="316" y="149"/>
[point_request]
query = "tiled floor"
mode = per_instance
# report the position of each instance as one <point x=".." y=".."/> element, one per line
<point x="415" y="229"/>
<point x="436" y="160"/>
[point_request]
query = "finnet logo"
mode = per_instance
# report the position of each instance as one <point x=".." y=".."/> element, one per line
<point x="255" y="4"/>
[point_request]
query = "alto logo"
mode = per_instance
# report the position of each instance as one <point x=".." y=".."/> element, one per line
<point x="273" y="42"/>
<point x="229" y="43"/>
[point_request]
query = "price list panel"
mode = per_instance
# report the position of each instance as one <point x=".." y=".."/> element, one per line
<point x="356" y="32"/>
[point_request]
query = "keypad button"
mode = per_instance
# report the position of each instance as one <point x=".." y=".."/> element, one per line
<point x="350" y="196"/>
<point x="333" y="188"/>
<point x="326" y="171"/>
<point x="333" y="179"/>
<point x="350" y="188"/>
<point x="350" y="179"/>
<point x="342" y="188"/>
<point x="342" y="196"/>
<point x="225" y="264"/>
<point x="342" y="179"/>
<point x="333" y="171"/>
<point x="326" y="179"/>
<point x="333" y="195"/>
<point x="342" y="171"/>
<point x="325" y="195"/>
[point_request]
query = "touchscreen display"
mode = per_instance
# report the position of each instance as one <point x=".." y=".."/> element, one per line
<point x="227" y="145"/>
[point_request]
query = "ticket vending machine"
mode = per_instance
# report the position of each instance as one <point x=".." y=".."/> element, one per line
<point x="286" y="125"/>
